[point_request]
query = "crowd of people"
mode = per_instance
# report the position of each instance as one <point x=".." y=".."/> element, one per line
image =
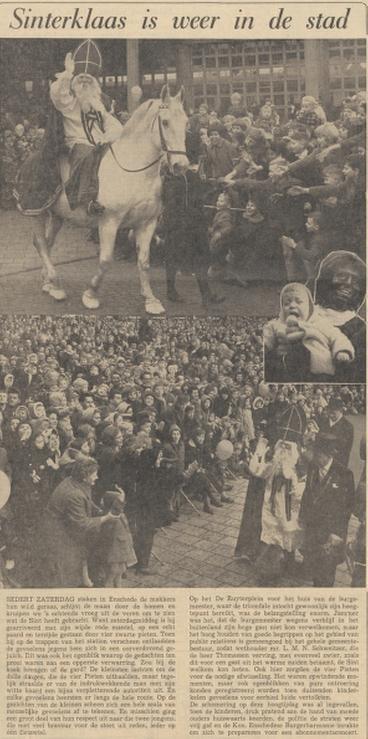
<point x="278" y="195"/>
<point x="287" y="192"/>
<point x="22" y="128"/>
<point x="109" y="424"/>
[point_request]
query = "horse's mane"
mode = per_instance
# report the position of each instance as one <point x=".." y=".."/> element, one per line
<point x="138" y="116"/>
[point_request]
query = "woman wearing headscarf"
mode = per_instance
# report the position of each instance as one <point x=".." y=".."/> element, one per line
<point x="171" y="473"/>
<point x="108" y="455"/>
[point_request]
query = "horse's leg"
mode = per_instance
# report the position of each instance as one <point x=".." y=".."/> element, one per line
<point x="107" y="228"/>
<point x="43" y="244"/>
<point x="143" y="236"/>
<point x="53" y="227"/>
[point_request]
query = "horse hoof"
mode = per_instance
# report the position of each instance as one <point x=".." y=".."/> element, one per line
<point x="154" y="307"/>
<point x="58" y="293"/>
<point x="90" y="300"/>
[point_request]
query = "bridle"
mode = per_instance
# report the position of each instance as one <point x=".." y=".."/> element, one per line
<point x="164" y="147"/>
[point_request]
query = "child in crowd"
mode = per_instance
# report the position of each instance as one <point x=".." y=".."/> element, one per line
<point x="221" y="230"/>
<point x="120" y="552"/>
<point x="300" y="322"/>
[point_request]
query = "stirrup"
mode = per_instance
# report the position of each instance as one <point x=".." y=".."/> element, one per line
<point x="94" y="208"/>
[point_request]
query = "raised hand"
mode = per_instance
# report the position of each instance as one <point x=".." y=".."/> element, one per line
<point x="69" y="64"/>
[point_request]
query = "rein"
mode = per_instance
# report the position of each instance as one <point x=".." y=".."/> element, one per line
<point x="164" y="148"/>
<point x="141" y="169"/>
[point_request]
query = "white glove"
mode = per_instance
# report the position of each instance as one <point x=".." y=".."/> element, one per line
<point x="69" y="64"/>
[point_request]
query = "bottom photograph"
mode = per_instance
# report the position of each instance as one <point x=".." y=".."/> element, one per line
<point x="151" y="453"/>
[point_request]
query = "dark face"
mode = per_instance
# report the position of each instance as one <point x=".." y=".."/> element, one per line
<point x="146" y="379"/>
<point x="214" y="137"/>
<point x="296" y="146"/>
<point x="65" y="424"/>
<point x="39" y="441"/>
<point x="175" y="436"/>
<point x="345" y="287"/>
<point x="335" y="414"/>
<point x="89" y="402"/>
<point x="53" y="420"/>
<point x="13" y="399"/>
<point x="96" y="418"/>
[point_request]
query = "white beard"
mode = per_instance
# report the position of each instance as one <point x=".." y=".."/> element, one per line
<point x="283" y="463"/>
<point x="89" y="97"/>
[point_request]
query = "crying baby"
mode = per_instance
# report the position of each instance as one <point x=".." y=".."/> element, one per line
<point x="300" y="321"/>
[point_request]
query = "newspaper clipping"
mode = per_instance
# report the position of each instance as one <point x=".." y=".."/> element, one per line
<point x="182" y="370"/>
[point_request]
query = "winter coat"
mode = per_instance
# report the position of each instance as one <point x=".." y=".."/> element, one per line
<point x="70" y="530"/>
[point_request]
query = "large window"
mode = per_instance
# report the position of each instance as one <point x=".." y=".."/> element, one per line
<point x="259" y="70"/>
<point x="273" y="70"/>
<point x="347" y="67"/>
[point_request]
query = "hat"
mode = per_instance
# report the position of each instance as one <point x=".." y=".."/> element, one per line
<point x="290" y="424"/>
<point x="125" y="409"/>
<point x="21" y="408"/>
<point x="335" y="404"/>
<point x="243" y="123"/>
<point x="87" y="59"/>
<point x="148" y="393"/>
<point x="325" y="443"/>
<point x="39" y="425"/>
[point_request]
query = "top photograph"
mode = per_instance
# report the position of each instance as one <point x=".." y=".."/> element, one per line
<point x="179" y="178"/>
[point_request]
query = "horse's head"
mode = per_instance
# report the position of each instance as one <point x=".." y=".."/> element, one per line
<point x="171" y="128"/>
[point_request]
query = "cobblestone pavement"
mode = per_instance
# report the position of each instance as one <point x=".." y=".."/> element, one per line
<point x="20" y="279"/>
<point x="198" y="552"/>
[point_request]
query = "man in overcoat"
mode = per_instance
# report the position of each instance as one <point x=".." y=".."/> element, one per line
<point x="325" y="511"/>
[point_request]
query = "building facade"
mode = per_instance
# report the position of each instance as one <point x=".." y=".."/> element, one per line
<point x="280" y="71"/>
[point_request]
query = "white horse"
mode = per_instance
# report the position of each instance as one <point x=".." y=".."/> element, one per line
<point x="129" y="190"/>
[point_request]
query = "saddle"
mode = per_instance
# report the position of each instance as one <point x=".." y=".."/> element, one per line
<point x="81" y="186"/>
<point x="46" y="172"/>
